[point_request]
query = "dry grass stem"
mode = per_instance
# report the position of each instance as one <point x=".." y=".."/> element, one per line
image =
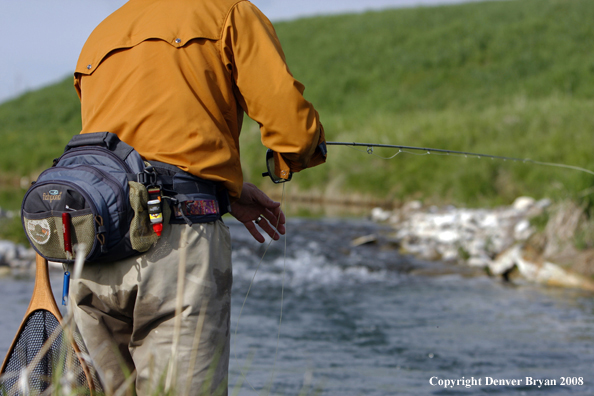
<point x="181" y="275"/>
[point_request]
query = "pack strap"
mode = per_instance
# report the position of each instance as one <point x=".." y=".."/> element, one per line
<point x="108" y="140"/>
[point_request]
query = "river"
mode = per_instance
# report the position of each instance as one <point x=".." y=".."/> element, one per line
<point x="367" y="321"/>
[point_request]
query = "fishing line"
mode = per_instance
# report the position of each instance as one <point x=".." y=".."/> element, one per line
<point x="280" y="319"/>
<point x="427" y="151"/>
<point x="243" y="373"/>
<point x="369" y="149"/>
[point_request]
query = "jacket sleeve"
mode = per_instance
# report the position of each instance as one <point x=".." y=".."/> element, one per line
<point x="268" y="92"/>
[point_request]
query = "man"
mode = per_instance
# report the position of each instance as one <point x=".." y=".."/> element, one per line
<point x="172" y="78"/>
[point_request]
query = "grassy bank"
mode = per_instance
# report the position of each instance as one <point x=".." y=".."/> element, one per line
<point x="556" y="129"/>
<point x="511" y="78"/>
<point x="468" y="56"/>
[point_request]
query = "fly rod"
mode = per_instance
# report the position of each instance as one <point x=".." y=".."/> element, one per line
<point x="429" y="150"/>
<point x="406" y="149"/>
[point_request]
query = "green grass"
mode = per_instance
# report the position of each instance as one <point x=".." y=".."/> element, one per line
<point x="35" y="127"/>
<point x="510" y="78"/>
<point x="551" y="129"/>
<point x="434" y="58"/>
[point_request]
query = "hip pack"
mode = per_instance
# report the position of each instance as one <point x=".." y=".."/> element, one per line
<point x="89" y="196"/>
<point x="97" y="194"/>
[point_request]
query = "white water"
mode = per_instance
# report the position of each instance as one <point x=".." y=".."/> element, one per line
<point x="360" y="321"/>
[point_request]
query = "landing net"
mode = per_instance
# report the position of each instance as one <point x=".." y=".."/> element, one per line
<point x="44" y="359"/>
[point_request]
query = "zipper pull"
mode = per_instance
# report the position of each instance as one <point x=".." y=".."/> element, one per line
<point x="65" y="288"/>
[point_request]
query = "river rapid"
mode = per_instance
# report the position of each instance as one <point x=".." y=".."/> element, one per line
<point x="364" y="320"/>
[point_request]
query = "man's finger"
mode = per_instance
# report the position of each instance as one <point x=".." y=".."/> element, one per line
<point x="271" y="217"/>
<point x="279" y="214"/>
<point x="275" y="220"/>
<point x="251" y="227"/>
<point x="272" y="232"/>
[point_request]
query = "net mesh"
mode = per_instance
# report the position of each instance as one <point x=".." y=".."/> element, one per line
<point x="59" y="362"/>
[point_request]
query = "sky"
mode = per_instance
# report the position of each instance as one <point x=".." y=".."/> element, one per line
<point x="41" y="39"/>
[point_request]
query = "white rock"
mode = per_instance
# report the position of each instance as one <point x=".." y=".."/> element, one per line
<point x="442" y="233"/>
<point x="553" y="275"/>
<point x="380" y="215"/>
<point x="505" y="261"/>
<point x="523" y="203"/>
<point x="489" y="220"/>
<point x="498" y="243"/>
<point x="448" y="236"/>
<point x="444" y="220"/>
<point x="522" y="230"/>
<point x="466" y="217"/>
<point x="476" y="247"/>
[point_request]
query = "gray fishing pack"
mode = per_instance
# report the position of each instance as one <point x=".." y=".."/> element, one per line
<point x="90" y="196"/>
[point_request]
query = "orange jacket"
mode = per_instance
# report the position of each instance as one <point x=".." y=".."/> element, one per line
<point x="172" y="78"/>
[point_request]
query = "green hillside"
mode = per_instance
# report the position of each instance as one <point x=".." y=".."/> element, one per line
<point x="512" y="78"/>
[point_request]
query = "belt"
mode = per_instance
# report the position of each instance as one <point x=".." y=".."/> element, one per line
<point x="197" y="208"/>
<point x="183" y="187"/>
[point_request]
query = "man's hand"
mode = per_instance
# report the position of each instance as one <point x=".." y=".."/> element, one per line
<point x="254" y="205"/>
